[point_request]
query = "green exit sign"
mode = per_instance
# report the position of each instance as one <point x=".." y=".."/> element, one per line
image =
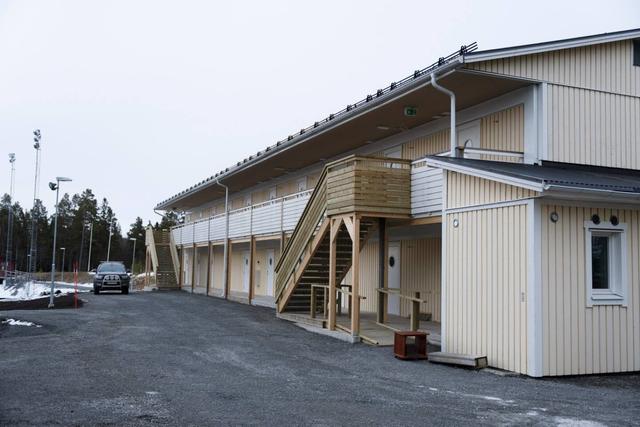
<point x="410" y="111"/>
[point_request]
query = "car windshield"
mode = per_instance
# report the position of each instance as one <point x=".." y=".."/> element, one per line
<point x="111" y="267"/>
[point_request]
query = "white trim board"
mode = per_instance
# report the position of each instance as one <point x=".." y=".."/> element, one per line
<point x="535" y="359"/>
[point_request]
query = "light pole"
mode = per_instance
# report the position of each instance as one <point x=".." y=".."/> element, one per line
<point x="133" y="257"/>
<point x="7" y="260"/>
<point x="64" y="250"/>
<point x="110" y="234"/>
<point x="90" y="240"/>
<point x="34" y="220"/>
<point x="55" y="186"/>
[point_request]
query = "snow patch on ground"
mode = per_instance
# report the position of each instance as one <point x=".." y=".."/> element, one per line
<point x="14" y="322"/>
<point x="34" y="290"/>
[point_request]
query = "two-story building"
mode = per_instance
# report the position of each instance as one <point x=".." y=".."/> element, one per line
<point x="492" y="198"/>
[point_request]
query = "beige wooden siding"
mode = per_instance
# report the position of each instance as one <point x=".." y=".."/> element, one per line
<point x="593" y="127"/>
<point x="504" y="131"/>
<point x="465" y="190"/>
<point x="486" y="280"/>
<point x="606" y="67"/>
<point x="200" y="285"/>
<point x="578" y="339"/>
<point x="420" y="267"/>
<point x="426" y="145"/>
<point x="217" y="267"/>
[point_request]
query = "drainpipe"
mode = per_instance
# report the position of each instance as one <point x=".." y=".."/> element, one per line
<point x="452" y="95"/>
<point x="225" y="273"/>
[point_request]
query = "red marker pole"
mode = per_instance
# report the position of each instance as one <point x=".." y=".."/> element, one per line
<point x="75" y="285"/>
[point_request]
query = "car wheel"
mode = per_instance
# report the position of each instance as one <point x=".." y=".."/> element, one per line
<point x="125" y="290"/>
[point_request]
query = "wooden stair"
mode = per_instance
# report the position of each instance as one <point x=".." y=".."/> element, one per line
<point x="165" y="272"/>
<point x="316" y="270"/>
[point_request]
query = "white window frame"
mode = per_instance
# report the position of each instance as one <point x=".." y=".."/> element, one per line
<point x="273" y="193"/>
<point x="618" y="272"/>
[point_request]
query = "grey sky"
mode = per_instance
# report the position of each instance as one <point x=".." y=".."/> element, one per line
<point x="140" y="99"/>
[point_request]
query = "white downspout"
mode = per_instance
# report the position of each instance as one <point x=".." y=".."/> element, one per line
<point x="454" y="141"/>
<point x="225" y="273"/>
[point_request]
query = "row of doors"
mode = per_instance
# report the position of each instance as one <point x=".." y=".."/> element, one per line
<point x="246" y="271"/>
<point x="393" y="274"/>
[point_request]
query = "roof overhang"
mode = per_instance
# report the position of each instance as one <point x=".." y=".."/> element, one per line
<point x="353" y="131"/>
<point x="529" y="49"/>
<point x="546" y="188"/>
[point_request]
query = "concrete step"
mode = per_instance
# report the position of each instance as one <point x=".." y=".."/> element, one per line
<point x="473" y="361"/>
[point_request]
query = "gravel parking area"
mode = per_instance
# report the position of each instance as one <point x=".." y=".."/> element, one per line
<point x="182" y="359"/>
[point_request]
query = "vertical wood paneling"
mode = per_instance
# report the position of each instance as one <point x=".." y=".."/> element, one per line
<point x="578" y="339"/>
<point x="217" y="267"/>
<point x="465" y="190"/>
<point x="591" y="127"/>
<point x="503" y="130"/>
<point x="420" y="268"/>
<point x="426" y="145"/>
<point x="486" y="281"/>
<point x="605" y="67"/>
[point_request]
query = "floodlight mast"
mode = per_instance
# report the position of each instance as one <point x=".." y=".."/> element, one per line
<point x="34" y="221"/>
<point x="55" y="186"/>
<point x="7" y="260"/>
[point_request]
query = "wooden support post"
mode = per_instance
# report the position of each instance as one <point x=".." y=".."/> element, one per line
<point x="382" y="270"/>
<point x="181" y="276"/>
<point x="355" y="275"/>
<point x="333" y="233"/>
<point x="312" y="305"/>
<point x="252" y="260"/>
<point x="324" y="302"/>
<point x="193" y="267"/>
<point x="283" y="242"/>
<point x="227" y="280"/>
<point x="415" y="313"/>
<point x="209" y="249"/>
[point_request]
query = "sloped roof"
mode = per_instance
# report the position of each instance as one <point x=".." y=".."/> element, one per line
<point x="546" y="175"/>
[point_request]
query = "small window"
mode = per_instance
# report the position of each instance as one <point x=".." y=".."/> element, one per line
<point x="606" y="263"/>
<point x="272" y="193"/>
<point x="247" y="200"/>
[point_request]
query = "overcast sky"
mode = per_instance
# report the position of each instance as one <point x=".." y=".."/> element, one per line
<point x="139" y="99"/>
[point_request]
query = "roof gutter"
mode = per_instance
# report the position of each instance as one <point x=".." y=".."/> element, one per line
<point x="452" y="114"/>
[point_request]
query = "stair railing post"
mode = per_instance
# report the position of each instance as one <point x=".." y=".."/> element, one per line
<point x="415" y="312"/>
<point x="332" y="275"/>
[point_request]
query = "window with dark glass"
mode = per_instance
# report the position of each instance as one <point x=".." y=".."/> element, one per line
<point x="600" y="262"/>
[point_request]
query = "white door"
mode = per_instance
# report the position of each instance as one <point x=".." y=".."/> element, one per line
<point x="246" y="271"/>
<point x="271" y="263"/>
<point x="393" y="265"/>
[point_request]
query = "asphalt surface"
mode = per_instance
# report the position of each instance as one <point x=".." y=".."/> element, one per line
<point x="181" y="359"/>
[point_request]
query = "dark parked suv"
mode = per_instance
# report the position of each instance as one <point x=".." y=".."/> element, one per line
<point x="111" y="276"/>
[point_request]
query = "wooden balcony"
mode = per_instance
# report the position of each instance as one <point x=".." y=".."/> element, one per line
<point x="370" y="186"/>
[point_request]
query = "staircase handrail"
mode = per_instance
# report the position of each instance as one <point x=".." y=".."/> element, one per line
<point x="296" y="244"/>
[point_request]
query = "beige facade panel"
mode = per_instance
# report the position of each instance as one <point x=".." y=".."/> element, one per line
<point x="503" y="131"/>
<point x="426" y="145"/>
<point x="592" y="127"/>
<point x="217" y="267"/>
<point x="605" y="67"/>
<point x="578" y="339"/>
<point x="486" y="284"/>
<point x="466" y="190"/>
<point x="420" y="267"/>
<point x="200" y="285"/>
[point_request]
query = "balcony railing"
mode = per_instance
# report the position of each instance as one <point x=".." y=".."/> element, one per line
<point x="270" y="217"/>
<point x="426" y="189"/>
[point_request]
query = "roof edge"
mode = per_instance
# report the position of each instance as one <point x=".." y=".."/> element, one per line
<point x="528" y="49"/>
